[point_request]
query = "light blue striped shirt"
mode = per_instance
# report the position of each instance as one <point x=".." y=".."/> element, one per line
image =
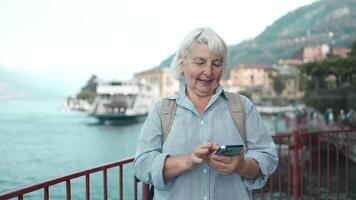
<point x="189" y="129"/>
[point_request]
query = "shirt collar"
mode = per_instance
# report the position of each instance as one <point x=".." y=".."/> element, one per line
<point x="183" y="100"/>
<point x="181" y="92"/>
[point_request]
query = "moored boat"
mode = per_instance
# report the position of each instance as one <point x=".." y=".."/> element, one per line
<point x="123" y="102"/>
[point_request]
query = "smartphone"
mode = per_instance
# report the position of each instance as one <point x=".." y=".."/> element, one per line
<point x="229" y="150"/>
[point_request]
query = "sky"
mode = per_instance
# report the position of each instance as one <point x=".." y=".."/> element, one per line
<point x="68" y="40"/>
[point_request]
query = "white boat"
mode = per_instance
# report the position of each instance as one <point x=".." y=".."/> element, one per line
<point x="122" y="102"/>
<point x="275" y="109"/>
<point x="271" y="110"/>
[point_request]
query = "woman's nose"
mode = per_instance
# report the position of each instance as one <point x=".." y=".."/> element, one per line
<point x="208" y="69"/>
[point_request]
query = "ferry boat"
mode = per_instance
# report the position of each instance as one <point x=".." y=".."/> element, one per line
<point x="122" y="102"/>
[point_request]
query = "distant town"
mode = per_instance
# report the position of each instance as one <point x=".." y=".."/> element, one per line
<point x="277" y="84"/>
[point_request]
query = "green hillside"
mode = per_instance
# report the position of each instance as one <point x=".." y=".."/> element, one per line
<point x="327" y="21"/>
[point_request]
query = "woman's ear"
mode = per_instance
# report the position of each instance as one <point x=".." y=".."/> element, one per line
<point x="181" y="70"/>
<point x="181" y="67"/>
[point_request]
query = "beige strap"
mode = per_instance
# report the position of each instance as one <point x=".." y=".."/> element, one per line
<point x="168" y="109"/>
<point x="237" y="112"/>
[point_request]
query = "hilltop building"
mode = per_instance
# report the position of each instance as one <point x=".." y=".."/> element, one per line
<point x="317" y="53"/>
<point x="290" y="73"/>
<point x="312" y="53"/>
<point x="340" y="52"/>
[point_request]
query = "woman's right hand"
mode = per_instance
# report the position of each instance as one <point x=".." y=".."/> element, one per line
<point x="201" y="153"/>
<point x="176" y="165"/>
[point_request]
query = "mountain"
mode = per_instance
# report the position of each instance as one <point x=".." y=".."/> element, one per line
<point x="327" y="21"/>
<point x="15" y="85"/>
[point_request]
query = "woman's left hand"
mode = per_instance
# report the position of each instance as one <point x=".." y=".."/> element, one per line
<point x="227" y="165"/>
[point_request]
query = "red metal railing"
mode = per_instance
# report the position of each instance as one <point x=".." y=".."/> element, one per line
<point x="308" y="163"/>
<point x="45" y="185"/>
<point x="301" y="173"/>
<point x="305" y="170"/>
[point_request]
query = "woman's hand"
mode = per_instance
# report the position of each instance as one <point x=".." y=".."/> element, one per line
<point x="176" y="165"/>
<point x="226" y="164"/>
<point x="246" y="167"/>
<point x="201" y="153"/>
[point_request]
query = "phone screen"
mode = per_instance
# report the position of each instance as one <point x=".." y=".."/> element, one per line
<point x="229" y="150"/>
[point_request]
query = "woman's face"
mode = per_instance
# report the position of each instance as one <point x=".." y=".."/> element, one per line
<point x="202" y="71"/>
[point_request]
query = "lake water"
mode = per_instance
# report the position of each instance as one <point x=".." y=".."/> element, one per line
<point x="39" y="141"/>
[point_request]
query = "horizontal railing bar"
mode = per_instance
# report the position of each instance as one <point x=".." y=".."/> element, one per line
<point x="29" y="188"/>
<point x="305" y="133"/>
<point x="281" y="135"/>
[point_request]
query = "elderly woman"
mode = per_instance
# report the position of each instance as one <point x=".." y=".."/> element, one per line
<point x="185" y="165"/>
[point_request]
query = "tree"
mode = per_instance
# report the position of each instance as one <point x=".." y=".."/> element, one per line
<point x="322" y="94"/>
<point x="88" y="92"/>
<point x="353" y="49"/>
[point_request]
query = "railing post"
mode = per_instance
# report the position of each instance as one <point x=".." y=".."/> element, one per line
<point x="145" y="191"/>
<point x="295" y="165"/>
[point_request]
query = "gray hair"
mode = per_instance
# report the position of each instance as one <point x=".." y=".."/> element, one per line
<point x="207" y="36"/>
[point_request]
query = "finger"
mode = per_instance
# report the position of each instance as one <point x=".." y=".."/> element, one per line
<point x="219" y="166"/>
<point x="201" y="152"/>
<point x="214" y="146"/>
<point x="205" y="145"/>
<point x="215" y="164"/>
<point x="218" y="163"/>
<point x="223" y="159"/>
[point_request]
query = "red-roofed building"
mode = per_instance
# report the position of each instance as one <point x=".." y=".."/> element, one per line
<point x="251" y="77"/>
<point x="341" y="52"/>
<point x="315" y="53"/>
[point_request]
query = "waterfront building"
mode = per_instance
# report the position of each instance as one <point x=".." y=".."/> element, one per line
<point x="290" y="75"/>
<point x="161" y="77"/>
<point x="252" y="78"/>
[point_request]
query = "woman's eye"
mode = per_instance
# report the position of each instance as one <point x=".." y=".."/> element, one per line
<point x="217" y="65"/>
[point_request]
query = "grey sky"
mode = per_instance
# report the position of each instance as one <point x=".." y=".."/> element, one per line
<point x="116" y="38"/>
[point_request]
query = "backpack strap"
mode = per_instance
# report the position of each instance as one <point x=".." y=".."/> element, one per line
<point x="237" y="112"/>
<point x="168" y="109"/>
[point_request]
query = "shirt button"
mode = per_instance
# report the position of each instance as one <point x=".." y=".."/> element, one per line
<point x="202" y="122"/>
<point x="205" y="171"/>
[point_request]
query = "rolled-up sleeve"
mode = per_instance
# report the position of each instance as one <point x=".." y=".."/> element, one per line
<point x="149" y="159"/>
<point x="260" y="147"/>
